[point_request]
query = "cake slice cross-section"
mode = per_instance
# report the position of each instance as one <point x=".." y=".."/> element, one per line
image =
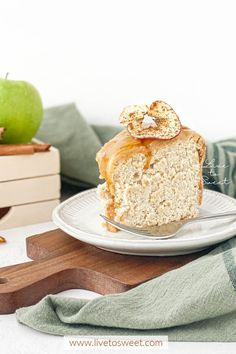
<point x="151" y="182"/>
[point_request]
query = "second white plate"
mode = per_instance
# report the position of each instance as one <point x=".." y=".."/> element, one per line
<point x="79" y="217"/>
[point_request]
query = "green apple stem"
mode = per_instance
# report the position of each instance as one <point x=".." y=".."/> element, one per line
<point x="1" y="133"/>
<point x="6" y="77"/>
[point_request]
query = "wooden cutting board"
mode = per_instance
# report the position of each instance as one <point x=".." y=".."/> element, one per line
<point x="61" y="262"/>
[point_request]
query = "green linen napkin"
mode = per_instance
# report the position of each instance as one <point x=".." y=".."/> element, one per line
<point x="65" y="128"/>
<point x="219" y="169"/>
<point x="196" y="302"/>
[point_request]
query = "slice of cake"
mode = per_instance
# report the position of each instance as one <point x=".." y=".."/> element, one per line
<point x="151" y="181"/>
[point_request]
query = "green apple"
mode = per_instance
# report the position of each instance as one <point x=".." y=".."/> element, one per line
<point x="21" y="111"/>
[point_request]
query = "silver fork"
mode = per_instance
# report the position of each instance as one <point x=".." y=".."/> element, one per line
<point x="167" y="230"/>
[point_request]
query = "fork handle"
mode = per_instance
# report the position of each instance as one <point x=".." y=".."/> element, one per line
<point x="215" y="216"/>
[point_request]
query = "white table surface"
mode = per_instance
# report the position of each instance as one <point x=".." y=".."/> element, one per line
<point x="19" y="339"/>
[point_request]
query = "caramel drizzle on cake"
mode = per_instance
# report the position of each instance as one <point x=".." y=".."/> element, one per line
<point x="124" y="147"/>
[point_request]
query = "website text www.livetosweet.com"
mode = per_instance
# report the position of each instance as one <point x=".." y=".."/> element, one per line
<point x="149" y="343"/>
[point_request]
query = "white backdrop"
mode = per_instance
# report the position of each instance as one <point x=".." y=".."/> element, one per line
<point x="106" y="54"/>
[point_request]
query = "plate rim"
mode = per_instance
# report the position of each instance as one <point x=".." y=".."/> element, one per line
<point x="162" y="244"/>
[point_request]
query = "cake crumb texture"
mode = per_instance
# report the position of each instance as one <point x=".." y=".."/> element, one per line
<point x="153" y="183"/>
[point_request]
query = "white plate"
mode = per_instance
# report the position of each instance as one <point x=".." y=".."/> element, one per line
<point x="79" y="217"/>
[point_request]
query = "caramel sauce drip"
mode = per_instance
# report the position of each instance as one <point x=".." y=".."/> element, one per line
<point x="123" y="146"/>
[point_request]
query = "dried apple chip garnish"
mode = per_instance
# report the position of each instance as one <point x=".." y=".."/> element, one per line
<point x="159" y="121"/>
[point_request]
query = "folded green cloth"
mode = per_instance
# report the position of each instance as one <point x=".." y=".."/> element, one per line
<point x="196" y="302"/>
<point x="78" y="142"/>
<point x="219" y="170"/>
